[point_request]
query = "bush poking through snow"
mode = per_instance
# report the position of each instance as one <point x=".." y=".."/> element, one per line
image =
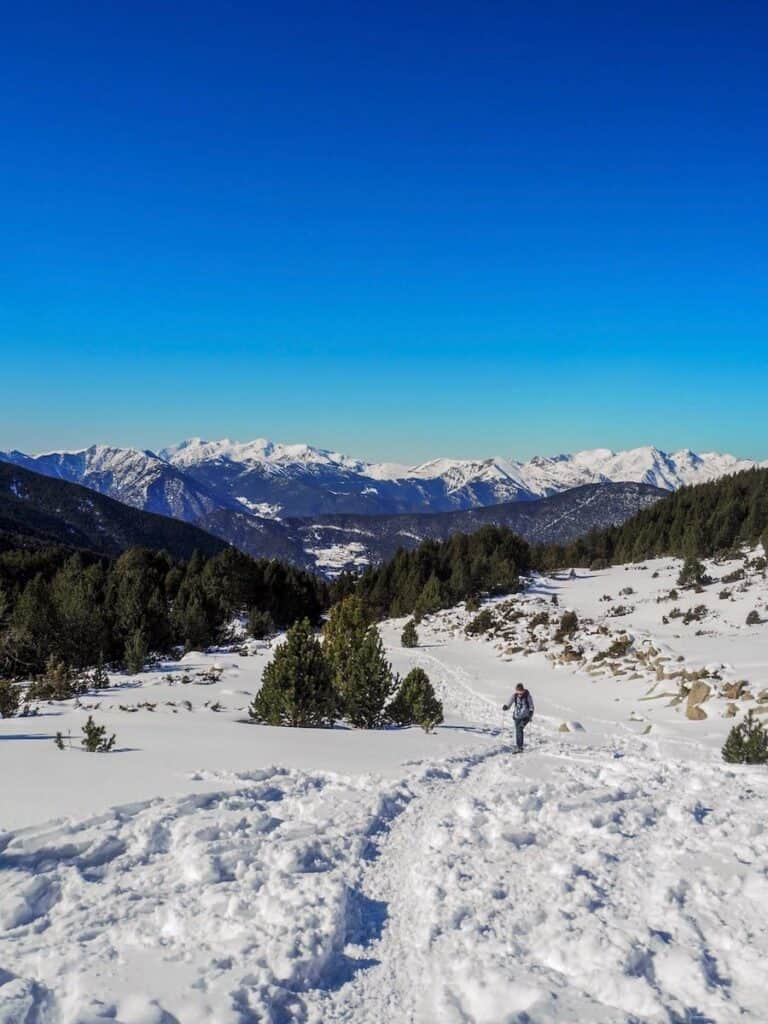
<point x="753" y="619"/>
<point x="416" y="703"/>
<point x="95" y="739"/>
<point x="296" y="689"/>
<point x="483" y="622"/>
<point x="10" y="698"/>
<point x="618" y="649"/>
<point x="409" y="637"/>
<point x="747" y="742"/>
<point x="569" y="623"/>
<point x="58" y="682"/>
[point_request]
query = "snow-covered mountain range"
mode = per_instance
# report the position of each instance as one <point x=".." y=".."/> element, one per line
<point x="196" y="478"/>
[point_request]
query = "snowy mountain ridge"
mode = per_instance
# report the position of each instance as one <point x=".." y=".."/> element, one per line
<point x="192" y="479"/>
<point x="646" y="464"/>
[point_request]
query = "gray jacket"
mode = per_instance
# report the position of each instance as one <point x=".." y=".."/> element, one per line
<point x="521" y="704"/>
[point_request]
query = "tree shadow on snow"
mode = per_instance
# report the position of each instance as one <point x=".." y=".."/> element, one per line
<point x="27" y="736"/>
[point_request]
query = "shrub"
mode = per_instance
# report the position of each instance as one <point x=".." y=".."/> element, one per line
<point x="472" y="603"/>
<point x="695" y="614"/>
<point x="733" y="577"/>
<point x="569" y="623"/>
<point x="753" y="619"/>
<point x="626" y="591"/>
<point x="483" y="622"/>
<point x="416" y="703"/>
<point x="597" y="564"/>
<point x="58" y="682"/>
<point x="724" y="594"/>
<point x="747" y="742"/>
<point x="95" y="739"/>
<point x="539" y="619"/>
<point x="260" y="624"/>
<point x="10" y="698"/>
<point x="618" y="648"/>
<point x="297" y="689"/>
<point x="619" y="610"/>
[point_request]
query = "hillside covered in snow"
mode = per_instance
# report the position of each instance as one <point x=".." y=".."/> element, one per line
<point x="209" y="869"/>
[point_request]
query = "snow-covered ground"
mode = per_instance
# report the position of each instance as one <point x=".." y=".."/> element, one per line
<point x="214" y="870"/>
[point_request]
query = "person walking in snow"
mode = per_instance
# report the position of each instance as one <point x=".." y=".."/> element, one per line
<point x="521" y="703"/>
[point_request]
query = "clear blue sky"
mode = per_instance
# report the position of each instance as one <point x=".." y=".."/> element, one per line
<point x="396" y="229"/>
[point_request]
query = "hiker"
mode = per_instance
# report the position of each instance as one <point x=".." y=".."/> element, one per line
<point x="521" y="703"/>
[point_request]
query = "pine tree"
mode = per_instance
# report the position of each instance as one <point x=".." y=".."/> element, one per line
<point x="369" y="683"/>
<point x="99" y="677"/>
<point x="430" y="599"/>
<point x="10" y="698"/>
<point x="343" y="634"/>
<point x="95" y="738"/>
<point x="692" y="573"/>
<point x="416" y="702"/>
<point x="136" y="652"/>
<point x="409" y="637"/>
<point x="260" y="624"/>
<point x="297" y="688"/>
<point x="747" y="742"/>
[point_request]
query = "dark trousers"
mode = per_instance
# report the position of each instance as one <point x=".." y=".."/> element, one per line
<point x="520" y="724"/>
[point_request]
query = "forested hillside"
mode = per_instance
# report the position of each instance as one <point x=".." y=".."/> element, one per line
<point x="703" y="520"/>
<point x="75" y="610"/>
<point x="40" y="511"/>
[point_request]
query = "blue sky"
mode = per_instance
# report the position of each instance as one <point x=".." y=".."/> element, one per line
<point x="400" y="230"/>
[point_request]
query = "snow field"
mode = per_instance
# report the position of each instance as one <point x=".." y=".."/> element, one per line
<point x="222" y="906"/>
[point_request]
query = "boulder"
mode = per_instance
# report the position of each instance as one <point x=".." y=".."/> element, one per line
<point x="698" y="693"/>
<point x="762" y="697"/>
<point x="734" y="690"/>
<point x="695" y="713"/>
<point x="563" y="727"/>
<point x="730" y="710"/>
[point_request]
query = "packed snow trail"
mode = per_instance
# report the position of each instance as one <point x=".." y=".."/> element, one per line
<point x="601" y="888"/>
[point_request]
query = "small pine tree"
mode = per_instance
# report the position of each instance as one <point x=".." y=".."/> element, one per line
<point x="747" y="742"/>
<point x="692" y="573"/>
<point x="369" y="684"/>
<point x="430" y="599"/>
<point x="99" y="677"/>
<point x="136" y="652"/>
<point x="409" y="637"/>
<point x="95" y="739"/>
<point x="297" y="688"/>
<point x="58" y="739"/>
<point x="416" y="703"/>
<point x="10" y="698"/>
<point x="260" y="624"/>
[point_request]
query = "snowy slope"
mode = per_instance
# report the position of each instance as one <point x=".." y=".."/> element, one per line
<point x="211" y="870"/>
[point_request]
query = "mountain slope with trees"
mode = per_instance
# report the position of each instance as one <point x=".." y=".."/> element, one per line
<point x="700" y="521"/>
<point x="37" y="510"/>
